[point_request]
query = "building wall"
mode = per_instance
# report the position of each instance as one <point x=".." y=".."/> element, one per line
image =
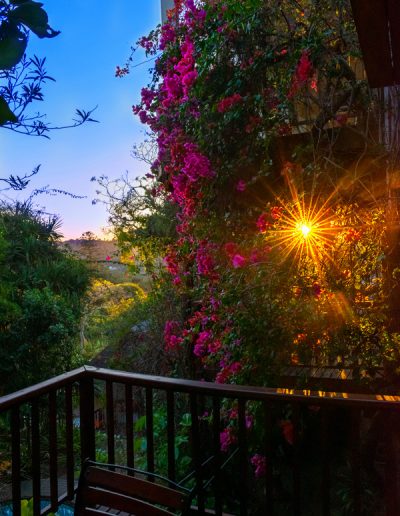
<point x="165" y="6"/>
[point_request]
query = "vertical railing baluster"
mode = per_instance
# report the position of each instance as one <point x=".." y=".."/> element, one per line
<point x="69" y="441"/>
<point x="356" y="459"/>
<point x="325" y="455"/>
<point x="196" y="452"/>
<point x="171" y="434"/>
<point x="217" y="454"/>
<point x="391" y="472"/>
<point x="86" y="416"/>
<point x="110" y="422"/>
<point x="53" y="449"/>
<point x="268" y="422"/>
<point x="244" y="467"/>
<point x="296" y="461"/>
<point x="35" y="446"/>
<point x="130" y="455"/>
<point x="16" y="459"/>
<point x="149" y="430"/>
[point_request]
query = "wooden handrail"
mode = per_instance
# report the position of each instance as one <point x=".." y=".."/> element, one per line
<point x="41" y="388"/>
<point x="199" y="387"/>
<point x="244" y="392"/>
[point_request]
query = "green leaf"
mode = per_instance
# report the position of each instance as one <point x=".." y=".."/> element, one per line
<point x="6" y="115"/>
<point x="32" y="15"/>
<point x="12" y="46"/>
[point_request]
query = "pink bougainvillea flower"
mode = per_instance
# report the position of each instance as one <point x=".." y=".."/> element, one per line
<point x="255" y="256"/>
<point x="228" y="370"/>
<point x="235" y="367"/>
<point x="227" y="438"/>
<point x="263" y="223"/>
<point x="202" y="341"/>
<point x="172" y="341"/>
<point x="148" y="96"/>
<point x="214" y="346"/>
<point x="241" y="185"/>
<point x="171" y="264"/>
<point x="238" y="261"/>
<point x="304" y="68"/>
<point x="259" y="463"/>
<point x="177" y="280"/>
<point x="167" y="35"/>
<point x="121" y="72"/>
<point x="204" y="259"/>
<point x="304" y="71"/>
<point x="108" y="258"/>
<point x="228" y="102"/>
<point x="249" y="422"/>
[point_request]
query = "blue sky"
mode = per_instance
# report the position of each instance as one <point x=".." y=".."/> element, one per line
<point x="95" y="37"/>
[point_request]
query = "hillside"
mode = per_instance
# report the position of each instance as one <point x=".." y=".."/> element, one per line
<point x="94" y="250"/>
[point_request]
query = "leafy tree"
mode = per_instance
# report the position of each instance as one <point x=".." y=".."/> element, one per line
<point x="142" y="218"/>
<point x="41" y="294"/>
<point x="88" y="244"/>
<point x="22" y="77"/>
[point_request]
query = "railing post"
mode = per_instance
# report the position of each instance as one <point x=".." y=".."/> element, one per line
<point x="35" y="446"/>
<point x="110" y="422"/>
<point x="53" y="449"/>
<point x="196" y="451"/>
<point x="356" y="459"/>
<point x="296" y="461"/>
<point x="268" y="451"/>
<point x="69" y="440"/>
<point x="242" y="437"/>
<point x="130" y="457"/>
<point x="326" y="460"/>
<point x="86" y="413"/>
<point x="16" y="459"/>
<point x="217" y="454"/>
<point x="171" y="434"/>
<point x="149" y="430"/>
<point x="391" y="474"/>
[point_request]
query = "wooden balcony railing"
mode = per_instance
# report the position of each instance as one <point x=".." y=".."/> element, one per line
<point x="319" y="446"/>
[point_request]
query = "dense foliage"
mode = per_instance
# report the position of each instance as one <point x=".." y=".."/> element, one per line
<point x="265" y="125"/>
<point x="42" y="289"/>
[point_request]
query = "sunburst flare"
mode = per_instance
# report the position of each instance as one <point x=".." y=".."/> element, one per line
<point x="304" y="230"/>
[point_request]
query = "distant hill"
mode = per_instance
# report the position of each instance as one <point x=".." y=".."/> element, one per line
<point x="94" y="250"/>
<point x="97" y="251"/>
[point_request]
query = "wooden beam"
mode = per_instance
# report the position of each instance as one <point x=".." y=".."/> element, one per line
<point x="394" y="21"/>
<point x="372" y="22"/>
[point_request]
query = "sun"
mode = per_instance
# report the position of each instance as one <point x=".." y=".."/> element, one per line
<point x="305" y="229"/>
